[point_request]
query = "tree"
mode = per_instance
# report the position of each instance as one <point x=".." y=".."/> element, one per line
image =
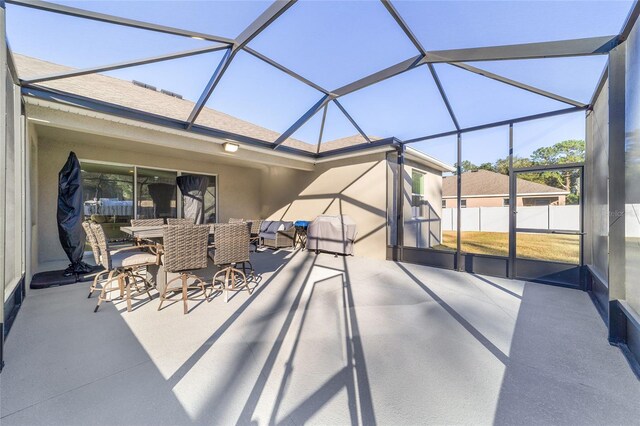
<point x="467" y="166"/>
<point x="565" y="152"/>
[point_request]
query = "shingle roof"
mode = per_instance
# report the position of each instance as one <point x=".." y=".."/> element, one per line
<point x="125" y="93"/>
<point x="486" y="182"/>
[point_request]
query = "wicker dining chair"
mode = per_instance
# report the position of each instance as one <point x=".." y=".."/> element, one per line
<point x="184" y="251"/>
<point x="179" y="221"/>
<point x="231" y="249"/>
<point x="123" y="266"/>
<point x="254" y="233"/>
<point x="95" y="249"/>
<point x="145" y="222"/>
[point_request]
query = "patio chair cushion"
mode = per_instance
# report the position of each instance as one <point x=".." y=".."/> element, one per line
<point x="273" y="228"/>
<point x="265" y="225"/>
<point x="128" y="259"/>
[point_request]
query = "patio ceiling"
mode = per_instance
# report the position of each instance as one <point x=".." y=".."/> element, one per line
<point x="402" y="95"/>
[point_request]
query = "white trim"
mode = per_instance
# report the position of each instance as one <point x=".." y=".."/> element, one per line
<point x="421" y="157"/>
<point x="359" y="153"/>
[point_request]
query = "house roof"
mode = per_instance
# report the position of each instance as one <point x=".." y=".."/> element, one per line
<point x="125" y="93"/>
<point x="488" y="183"/>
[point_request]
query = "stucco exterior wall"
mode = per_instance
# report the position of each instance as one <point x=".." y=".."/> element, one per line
<point x="238" y="187"/>
<point x="354" y="186"/>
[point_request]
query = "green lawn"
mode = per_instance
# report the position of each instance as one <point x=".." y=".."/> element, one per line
<point x="559" y="248"/>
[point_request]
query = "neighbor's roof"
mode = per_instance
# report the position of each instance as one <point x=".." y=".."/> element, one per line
<point x="125" y="93"/>
<point x="486" y="182"/>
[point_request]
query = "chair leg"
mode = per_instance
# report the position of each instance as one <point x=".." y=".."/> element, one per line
<point x="184" y="294"/>
<point x="162" y="298"/>
<point x="226" y="285"/>
<point x="101" y="297"/>
<point x="94" y="286"/>
<point x="127" y="284"/>
<point x="163" y="295"/>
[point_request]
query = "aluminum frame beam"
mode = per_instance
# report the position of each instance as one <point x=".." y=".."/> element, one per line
<point x="547" y="49"/>
<point x="211" y="85"/>
<point x="376" y="77"/>
<point x="127" y="64"/>
<point x="353" y="122"/>
<point x="634" y="13"/>
<point x="285" y="69"/>
<point x="324" y="117"/>
<point x="265" y="19"/>
<point x="300" y="122"/>
<point x="117" y="20"/>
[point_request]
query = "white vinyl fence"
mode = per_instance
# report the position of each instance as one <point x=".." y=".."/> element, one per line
<point x="496" y="219"/>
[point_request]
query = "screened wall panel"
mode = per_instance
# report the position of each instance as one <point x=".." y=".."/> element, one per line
<point x="82" y="43"/>
<point x="14" y="191"/>
<point x="574" y="77"/>
<point x="632" y="170"/>
<point x="484" y="213"/>
<point x="257" y="100"/>
<point x="222" y="18"/>
<point x="167" y="88"/>
<point x="480" y="100"/>
<point x="597" y="186"/>
<point x="334" y="43"/>
<point x="453" y="25"/>
<point x="406" y="106"/>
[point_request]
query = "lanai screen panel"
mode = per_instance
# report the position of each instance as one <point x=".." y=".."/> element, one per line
<point x="310" y="76"/>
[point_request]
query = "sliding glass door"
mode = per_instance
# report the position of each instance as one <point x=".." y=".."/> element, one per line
<point x="107" y="192"/>
<point x="116" y="193"/>
<point x="156" y="196"/>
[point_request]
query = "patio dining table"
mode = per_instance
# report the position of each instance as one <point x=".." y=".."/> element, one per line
<point x="152" y="233"/>
<point x="155" y="273"/>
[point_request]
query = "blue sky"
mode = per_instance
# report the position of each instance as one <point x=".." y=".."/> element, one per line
<point x="334" y="43"/>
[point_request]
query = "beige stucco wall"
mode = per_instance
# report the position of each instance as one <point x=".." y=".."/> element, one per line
<point x="238" y="190"/>
<point x="354" y="186"/>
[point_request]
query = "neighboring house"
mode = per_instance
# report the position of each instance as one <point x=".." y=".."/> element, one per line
<point x="484" y="188"/>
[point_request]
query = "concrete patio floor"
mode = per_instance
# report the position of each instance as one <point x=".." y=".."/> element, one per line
<point x="322" y="340"/>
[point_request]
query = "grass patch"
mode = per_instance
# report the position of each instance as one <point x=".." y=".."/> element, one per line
<point x="552" y="247"/>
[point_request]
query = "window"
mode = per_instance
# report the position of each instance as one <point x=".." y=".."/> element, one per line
<point x="463" y="203"/>
<point x="505" y="202"/>
<point x="107" y="192"/>
<point x="417" y="193"/>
